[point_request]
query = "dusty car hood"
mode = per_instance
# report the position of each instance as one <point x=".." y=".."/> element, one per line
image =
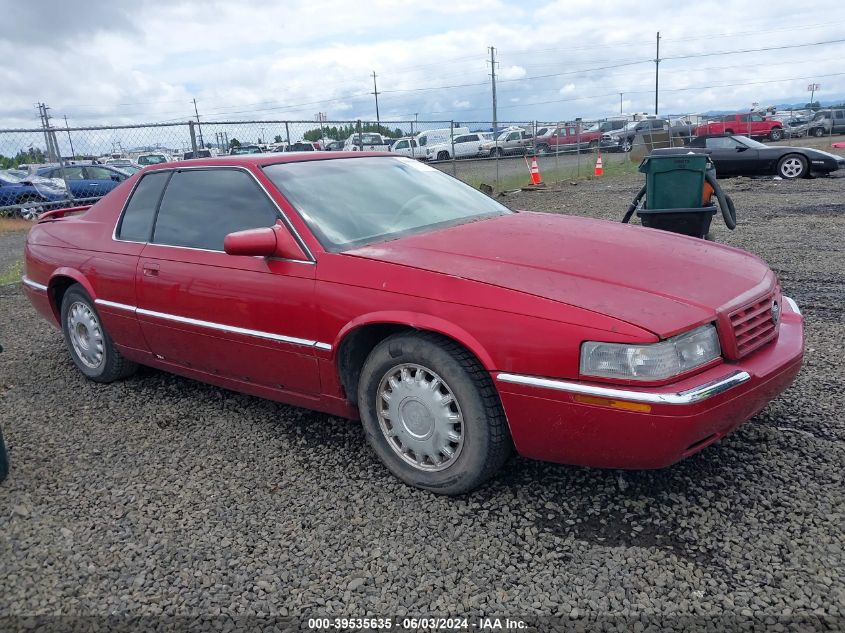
<point x="656" y="280"/>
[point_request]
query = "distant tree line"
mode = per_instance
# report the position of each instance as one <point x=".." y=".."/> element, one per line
<point x="31" y="155"/>
<point x="343" y="132"/>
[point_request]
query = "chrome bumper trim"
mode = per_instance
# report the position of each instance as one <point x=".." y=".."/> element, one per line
<point x="792" y="304"/>
<point x="690" y="396"/>
<point x="33" y="284"/>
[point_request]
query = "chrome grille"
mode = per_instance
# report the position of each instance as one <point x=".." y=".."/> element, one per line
<point x="753" y="325"/>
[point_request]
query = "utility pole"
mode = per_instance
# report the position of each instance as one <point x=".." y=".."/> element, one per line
<point x="620" y="102"/>
<point x="656" y="72"/>
<point x="53" y="153"/>
<point x="375" y="92"/>
<point x="199" y="127"/>
<point x="69" y="140"/>
<point x="493" y="80"/>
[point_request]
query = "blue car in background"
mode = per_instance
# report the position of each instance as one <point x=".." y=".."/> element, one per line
<point x="87" y="181"/>
<point x="28" y="196"/>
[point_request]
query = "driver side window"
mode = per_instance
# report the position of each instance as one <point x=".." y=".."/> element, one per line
<point x="721" y="142"/>
<point x="201" y="207"/>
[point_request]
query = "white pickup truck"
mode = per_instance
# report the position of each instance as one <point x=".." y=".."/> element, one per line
<point x="464" y="146"/>
<point x="366" y="142"/>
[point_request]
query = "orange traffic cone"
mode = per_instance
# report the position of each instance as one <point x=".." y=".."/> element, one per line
<point x="599" y="169"/>
<point x="535" y="172"/>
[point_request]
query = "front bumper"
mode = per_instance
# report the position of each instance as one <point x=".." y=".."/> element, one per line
<point x="555" y="420"/>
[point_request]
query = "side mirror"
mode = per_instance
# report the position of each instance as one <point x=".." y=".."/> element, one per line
<point x="741" y="148"/>
<point x="271" y="241"/>
<point x="116" y="178"/>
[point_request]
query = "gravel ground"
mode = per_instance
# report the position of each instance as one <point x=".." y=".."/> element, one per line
<point x="160" y="495"/>
<point x="11" y="248"/>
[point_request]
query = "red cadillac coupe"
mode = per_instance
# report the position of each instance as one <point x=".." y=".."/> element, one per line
<point x="371" y="285"/>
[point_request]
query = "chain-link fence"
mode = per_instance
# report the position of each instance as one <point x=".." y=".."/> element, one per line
<point x="46" y="168"/>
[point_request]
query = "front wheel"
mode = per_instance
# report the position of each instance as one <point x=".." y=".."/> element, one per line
<point x="818" y="132"/>
<point x="431" y="413"/>
<point x="776" y="134"/>
<point x="626" y="145"/>
<point x="792" y="166"/>
<point x="90" y="346"/>
<point x="444" y="155"/>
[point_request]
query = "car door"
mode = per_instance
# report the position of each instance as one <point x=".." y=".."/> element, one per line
<point x="245" y="319"/>
<point x="101" y="180"/>
<point x="402" y="148"/>
<point x="731" y="157"/>
<point x="74" y="176"/>
<point x="838" y="121"/>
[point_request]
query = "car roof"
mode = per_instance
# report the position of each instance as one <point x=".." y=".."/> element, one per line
<point x="265" y="158"/>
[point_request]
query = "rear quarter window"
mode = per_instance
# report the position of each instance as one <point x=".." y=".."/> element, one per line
<point x="136" y="224"/>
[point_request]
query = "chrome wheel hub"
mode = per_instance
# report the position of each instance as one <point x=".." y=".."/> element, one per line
<point x="85" y="334"/>
<point x="791" y="168"/>
<point x="420" y="417"/>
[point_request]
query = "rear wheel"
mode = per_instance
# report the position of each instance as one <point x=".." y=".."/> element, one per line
<point x="431" y="413"/>
<point x="30" y="207"/>
<point x="543" y="149"/>
<point x="776" y="134"/>
<point x="500" y="152"/>
<point x="90" y="346"/>
<point x="792" y="166"/>
<point x="818" y="132"/>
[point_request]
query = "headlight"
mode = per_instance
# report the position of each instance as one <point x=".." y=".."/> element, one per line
<point x="657" y="361"/>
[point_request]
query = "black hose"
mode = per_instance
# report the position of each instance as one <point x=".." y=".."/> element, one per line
<point x="726" y="204"/>
<point x="633" y="206"/>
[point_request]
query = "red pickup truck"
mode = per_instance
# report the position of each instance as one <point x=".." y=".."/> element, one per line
<point x="566" y="138"/>
<point x="748" y="124"/>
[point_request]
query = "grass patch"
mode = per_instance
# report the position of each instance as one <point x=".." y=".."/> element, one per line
<point x="10" y="225"/>
<point x="12" y="274"/>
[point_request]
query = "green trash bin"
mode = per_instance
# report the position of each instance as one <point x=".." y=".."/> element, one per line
<point x="675" y="193"/>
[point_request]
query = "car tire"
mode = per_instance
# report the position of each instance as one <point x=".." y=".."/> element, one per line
<point x="444" y="155"/>
<point x="30" y="207"/>
<point x="776" y="134"/>
<point x="450" y="448"/>
<point x="90" y="346"/>
<point x="500" y="152"/>
<point x="543" y="149"/>
<point x="792" y="166"/>
<point x="818" y="132"/>
<point x="592" y="145"/>
<point x="626" y="145"/>
<point x="729" y="131"/>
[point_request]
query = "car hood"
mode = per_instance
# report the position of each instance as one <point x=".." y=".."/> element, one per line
<point x="660" y="281"/>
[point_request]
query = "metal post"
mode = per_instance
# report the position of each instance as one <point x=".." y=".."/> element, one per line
<point x="452" y="136"/>
<point x="656" y="72"/>
<point x="493" y="80"/>
<point x="193" y="133"/>
<point x="360" y="138"/>
<point x="375" y="92"/>
<point x="199" y="127"/>
<point x="287" y="135"/>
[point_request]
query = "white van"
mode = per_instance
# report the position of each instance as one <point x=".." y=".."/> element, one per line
<point x="435" y="137"/>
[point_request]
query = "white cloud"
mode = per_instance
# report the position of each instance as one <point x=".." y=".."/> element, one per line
<point x="107" y="62"/>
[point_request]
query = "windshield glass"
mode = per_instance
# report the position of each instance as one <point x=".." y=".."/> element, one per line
<point x="9" y="178"/>
<point x="152" y="159"/>
<point x="357" y="201"/>
<point x="751" y="142"/>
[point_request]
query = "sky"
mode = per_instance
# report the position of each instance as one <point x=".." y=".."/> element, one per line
<point x="144" y="61"/>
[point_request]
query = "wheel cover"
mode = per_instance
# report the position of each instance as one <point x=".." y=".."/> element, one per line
<point x="420" y="417"/>
<point x="85" y="334"/>
<point x="791" y="168"/>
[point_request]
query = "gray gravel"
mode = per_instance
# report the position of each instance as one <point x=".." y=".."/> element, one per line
<point x="159" y="495"/>
<point x="11" y="248"/>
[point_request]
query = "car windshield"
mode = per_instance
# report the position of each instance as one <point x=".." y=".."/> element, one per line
<point x="357" y="201"/>
<point x="750" y="142"/>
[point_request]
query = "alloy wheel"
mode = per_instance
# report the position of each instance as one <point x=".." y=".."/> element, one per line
<point x="792" y="167"/>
